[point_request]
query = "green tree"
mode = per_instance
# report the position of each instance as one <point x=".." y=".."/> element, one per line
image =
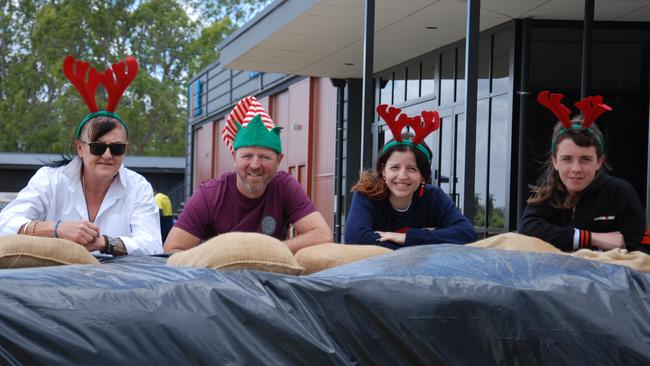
<point x="496" y="215"/>
<point x="479" y="211"/>
<point x="172" y="40"/>
<point x="204" y="48"/>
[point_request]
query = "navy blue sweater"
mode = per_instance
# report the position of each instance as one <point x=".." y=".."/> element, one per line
<point x="431" y="219"/>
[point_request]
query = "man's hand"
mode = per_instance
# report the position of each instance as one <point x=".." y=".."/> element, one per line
<point x="608" y="241"/>
<point x="397" y="238"/>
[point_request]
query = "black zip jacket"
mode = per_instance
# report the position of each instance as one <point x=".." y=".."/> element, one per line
<point x="608" y="204"/>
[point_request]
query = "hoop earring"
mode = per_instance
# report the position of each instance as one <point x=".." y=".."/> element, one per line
<point x="421" y="190"/>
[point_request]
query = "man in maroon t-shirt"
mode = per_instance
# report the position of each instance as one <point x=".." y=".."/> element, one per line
<point x="256" y="198"/>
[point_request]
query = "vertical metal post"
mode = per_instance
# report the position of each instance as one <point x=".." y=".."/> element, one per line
<point x="189" y="161"/>
<point x="647" y="175"/>
<point x="367" y="112"/>
<point x="586" y="48"/>
<point x="352" y="136"/>
<point x="471" y="96"/>
<point x="338" y="167"/>
<point x="647" y="205"/>
<point x="524" y="95"/>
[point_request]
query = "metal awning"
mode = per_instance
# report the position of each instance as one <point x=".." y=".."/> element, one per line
<point x="325" y="38"/>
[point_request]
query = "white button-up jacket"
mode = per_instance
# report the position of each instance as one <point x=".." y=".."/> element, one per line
<point x="128" y="210"/>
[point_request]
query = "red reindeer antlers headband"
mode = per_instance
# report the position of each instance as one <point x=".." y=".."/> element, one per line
<point x="396" y="125"/>
<point x="591" y="107"/>
<point x="88" y="87"/>
<point x="388" y="114"/>
<point x="86" y="80"/>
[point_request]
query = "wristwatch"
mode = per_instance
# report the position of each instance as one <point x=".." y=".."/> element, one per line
<point x="109" y="245"/>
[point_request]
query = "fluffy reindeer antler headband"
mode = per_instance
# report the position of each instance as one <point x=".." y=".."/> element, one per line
<point x="115" y="80"/>
<point x="591" y="107"/>
<point x="396" y="121"/>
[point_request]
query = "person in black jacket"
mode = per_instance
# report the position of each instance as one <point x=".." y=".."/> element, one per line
<point x="578" y="205"/>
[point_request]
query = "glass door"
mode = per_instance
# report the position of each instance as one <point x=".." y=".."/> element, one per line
<point x="450" y="176"/>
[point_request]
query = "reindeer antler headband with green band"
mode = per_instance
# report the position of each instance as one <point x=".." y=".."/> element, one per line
<point x="396" y="121"/>
<point x="591" y="107"/>
<point x="115" y="80"/>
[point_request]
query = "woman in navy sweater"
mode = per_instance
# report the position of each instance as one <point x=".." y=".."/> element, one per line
<point x="396" y="206"/>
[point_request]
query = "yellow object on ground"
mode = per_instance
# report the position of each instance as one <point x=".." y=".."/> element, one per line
<point x="164" y="203"/>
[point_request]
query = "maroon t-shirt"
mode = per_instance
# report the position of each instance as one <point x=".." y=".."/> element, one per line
<point x="217" y="207"/>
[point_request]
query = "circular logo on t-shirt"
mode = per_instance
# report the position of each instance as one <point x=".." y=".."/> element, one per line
<point x="268" y="225"/>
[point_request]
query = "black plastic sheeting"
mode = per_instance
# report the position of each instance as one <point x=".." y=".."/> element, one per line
<point x="439" y="304"/>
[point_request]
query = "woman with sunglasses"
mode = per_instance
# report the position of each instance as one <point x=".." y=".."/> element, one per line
<point x="91" y="199"/>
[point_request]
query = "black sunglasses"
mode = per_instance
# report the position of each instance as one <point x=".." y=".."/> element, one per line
<point x="97" y="148"/>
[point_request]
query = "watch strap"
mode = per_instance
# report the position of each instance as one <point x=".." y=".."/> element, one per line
<point x="109" y="244"/>
<point x="107" y="247"/>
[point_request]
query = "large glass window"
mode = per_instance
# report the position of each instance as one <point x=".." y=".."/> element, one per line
<point x="377" y="96"/>
<point x="433" y="140"/>
<point x="459" y="179"/>
<point x="413" y="81"/>
<point x="399" y="86"/>
<point x="386" y="89"/>
<point x="501" y="62"/>
<point x="448" y="63"/>
<point x="480" y="175"/>
<point x="385" y="135"/>
<point x="428" y="76"/>
<point x="460" y="77"/>
<point x="452" y="154"/>
<point x="484" y="66"/>
<point x="499" y="143"/>
<point x="446" y="152"/>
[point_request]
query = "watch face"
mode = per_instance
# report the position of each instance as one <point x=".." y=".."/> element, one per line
<point x="112" y="242"/>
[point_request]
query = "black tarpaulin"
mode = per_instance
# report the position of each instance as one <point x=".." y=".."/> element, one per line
<point x="439" y="304"/>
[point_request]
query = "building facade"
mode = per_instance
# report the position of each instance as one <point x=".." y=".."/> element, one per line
<point x="517" y="58"/>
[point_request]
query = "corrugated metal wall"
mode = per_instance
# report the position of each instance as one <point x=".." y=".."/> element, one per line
<point x="298" y="152"/>
<point x="223" y="157"/>
<point x="203" y="159"/>
<point x="323" y="132"/>
<point x="280" y="115"/>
